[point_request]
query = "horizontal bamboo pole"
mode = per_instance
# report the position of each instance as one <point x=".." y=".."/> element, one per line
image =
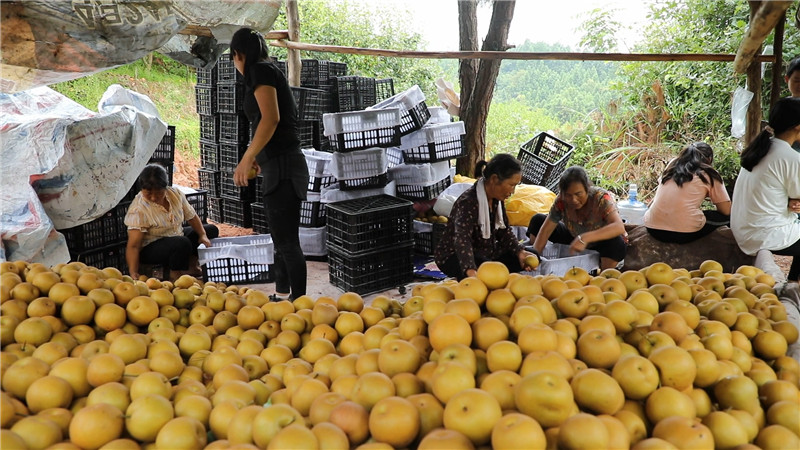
<point x="563" y="56"/>
<point x="196" y="30"/>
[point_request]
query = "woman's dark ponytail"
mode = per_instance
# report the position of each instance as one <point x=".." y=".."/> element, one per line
<point x="479" y="168"/>
<point x="758" y="149"/>
<point x="784" y="115"/>
<point x="251" y="44"/>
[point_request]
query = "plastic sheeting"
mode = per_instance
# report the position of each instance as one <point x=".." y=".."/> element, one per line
<point x="47" y="41"/>
<point x="62" y="165"/>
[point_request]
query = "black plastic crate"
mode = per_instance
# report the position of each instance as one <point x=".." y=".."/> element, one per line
<point x="315" y="73"/>
<point x="206" y="99"/>
<point x="209" y="181"/>
<point x="226" y="71"/>
<point x="451" y="148"/>
<point x="236" y="271"/>
<point x="165" y="151"/>
<point x="230" y="155"/>
<point x="413" y="119"/>
<point x="312" y="214"/>
<point x="229" y="191"/>
<point x="230" y="98"/>
<point x="352" y="93"/>
<point x="376" y="181"/>
<point x="543" y="160"/>
<point x="305" y="132"/>
<point x="372" y="271"/>
<point x="108" y="256"/>
<point x="209" y="127"/>
<point x="209" y="155"/>
<point x="234" y="129"/>
<point x="199" y="201"/>
<point x="259" y="218"/>
<point x="310" y="103"/>
<point x="281" y="65"/>
<point x="105" y="230"/>
<point x="336" y="69"/>
<point x="207" y="77"/>
<point x="320" y="141"/>
<point x="415" y="192"/>
<point x="425" y="242"/>
<point x="384" y="88"/>
<point x="360" y="140"/>
<point x="215" y="210"/>
<point x="316" y="183"/>
<point x="369" y="223"/>
<point x="237" y="212"/>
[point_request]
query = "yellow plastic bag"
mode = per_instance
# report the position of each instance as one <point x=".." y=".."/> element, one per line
<point x="527" y="200"/>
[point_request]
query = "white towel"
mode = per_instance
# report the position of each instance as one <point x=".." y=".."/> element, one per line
<point x="483" y="212"/>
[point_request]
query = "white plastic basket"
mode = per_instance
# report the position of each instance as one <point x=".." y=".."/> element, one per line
<point x="355" y="121"/>
<point x="394" y="155"/>
<point x="313" y="241"/>
<point x="332" y="193"/>
<point x="420" y="174"/>
<point x="256" y="249"/>
<point x="431" y="134"/>
<point x="556" y="259"/>
<point x="404" y="100"/>
<point x="359" y="164"/>
<point x="318" y="162"/>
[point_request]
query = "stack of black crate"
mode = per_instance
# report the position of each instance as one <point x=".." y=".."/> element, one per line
<point x="224" y="134"/>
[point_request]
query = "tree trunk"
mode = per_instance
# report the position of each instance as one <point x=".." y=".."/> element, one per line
<point x="478" y="77"/>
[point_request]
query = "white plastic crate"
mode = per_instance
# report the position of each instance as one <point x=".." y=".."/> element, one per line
<point x="313" y="241"/>
<point x="359" y="164"/>
<point x="355" y="121"/>
<point x="431" y="134"/>
<point x="238" y="259"/>
<point x="256" y="249"/>
<point x="394" y="155"/>
<point x="556" y="259"/>
<point x="420" y="174"/>
<point x="318" y="162"/>
<point x="404" y="100"/>
<point x="332" y="193"/>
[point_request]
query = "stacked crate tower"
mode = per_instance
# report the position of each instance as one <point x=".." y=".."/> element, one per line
<point x="370" y="240"/>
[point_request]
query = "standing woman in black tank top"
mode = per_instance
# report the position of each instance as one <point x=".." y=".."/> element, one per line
<point x="274" y="151"/>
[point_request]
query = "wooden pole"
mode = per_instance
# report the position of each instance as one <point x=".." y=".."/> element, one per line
<point x="197" y="30"/>
<point x="777" y="63"/>
<point x="293" y="55"/>
<point x="753" y="126"/>
<point x="764" y="16"/>
<point x="551" y="56"/>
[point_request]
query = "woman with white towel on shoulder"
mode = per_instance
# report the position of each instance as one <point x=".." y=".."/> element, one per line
<point x="478" y="229"/>
<point x="583" y="216"/>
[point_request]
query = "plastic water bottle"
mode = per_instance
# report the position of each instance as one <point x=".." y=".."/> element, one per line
<point x="632" y="210"/>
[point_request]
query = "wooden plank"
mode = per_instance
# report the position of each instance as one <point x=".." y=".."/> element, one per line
<point x="196" y="30"/>
<point x="560" y="56"/>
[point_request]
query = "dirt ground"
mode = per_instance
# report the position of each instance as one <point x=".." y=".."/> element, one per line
<point x="185" y="174"/>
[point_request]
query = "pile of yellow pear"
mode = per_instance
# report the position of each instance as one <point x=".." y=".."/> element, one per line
<point x="659" y="358"/>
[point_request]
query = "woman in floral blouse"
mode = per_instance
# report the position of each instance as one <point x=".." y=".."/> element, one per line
<point x="478" y="228"/>
<point x="583" y="216"/>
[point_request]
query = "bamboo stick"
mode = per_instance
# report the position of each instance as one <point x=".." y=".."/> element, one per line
<point x="562" y="56"/>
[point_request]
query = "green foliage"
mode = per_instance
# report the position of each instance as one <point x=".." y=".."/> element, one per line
<point x="567" y="90"/>
<point x="378" y="25"/>
<point x="169" y="84"/>
<point x="599" y="31"/>
<point x="513" y="123"/>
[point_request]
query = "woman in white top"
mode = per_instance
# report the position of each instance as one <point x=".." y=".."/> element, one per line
<point x="675" y="215"/>
<point x="764" y="214"/>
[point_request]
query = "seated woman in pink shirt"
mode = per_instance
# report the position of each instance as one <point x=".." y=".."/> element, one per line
<point x="675" y="215"/>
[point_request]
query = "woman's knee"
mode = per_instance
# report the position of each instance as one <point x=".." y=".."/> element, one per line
<point x="536" y="223"/>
